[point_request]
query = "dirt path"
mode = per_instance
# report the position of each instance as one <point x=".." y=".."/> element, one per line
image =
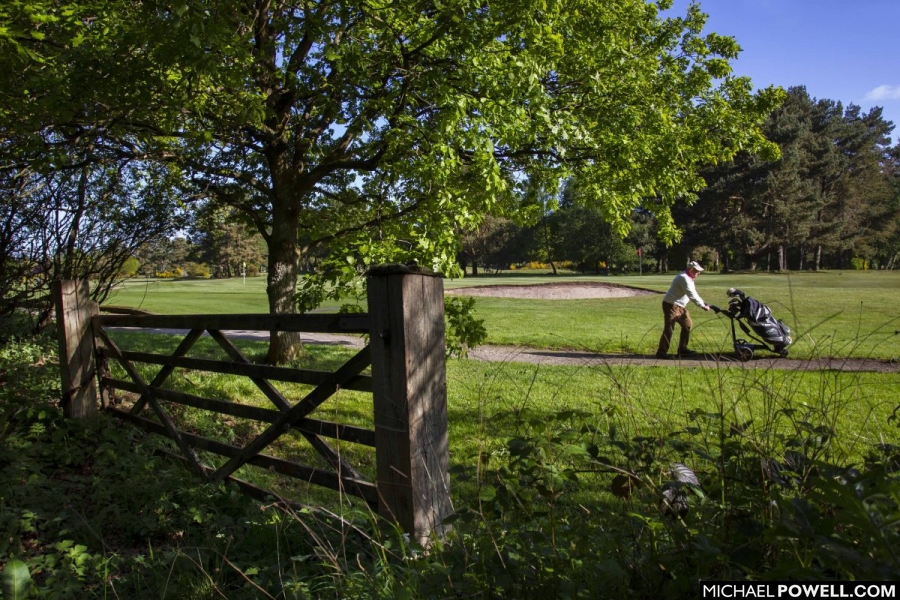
<point x="592" y="359"/>
<point x="574" y="357"/>
<point x="573" y="290"/>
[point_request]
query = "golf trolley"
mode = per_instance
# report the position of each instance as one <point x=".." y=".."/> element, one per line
<point x="768" y="333"/>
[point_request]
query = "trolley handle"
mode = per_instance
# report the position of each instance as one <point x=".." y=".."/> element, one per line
<point x="730" y="312"/>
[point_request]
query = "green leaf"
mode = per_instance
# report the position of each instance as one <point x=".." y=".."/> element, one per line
<point x="488" y="494"/>
<point x="16" y="580"/>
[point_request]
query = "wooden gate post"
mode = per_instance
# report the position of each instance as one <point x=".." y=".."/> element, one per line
<point x="74" y="310"/>
<point x="406" y="311"/>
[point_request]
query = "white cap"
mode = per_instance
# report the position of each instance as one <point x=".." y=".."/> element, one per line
<point x="695" y="266"/>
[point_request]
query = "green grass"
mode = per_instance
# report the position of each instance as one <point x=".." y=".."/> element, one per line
<point x="831" y="314"/>
<point x="196" y="296"/>
<point x="653" y="400"/>
<point x="93" y="514"/>
<point x="485" y="398"/>
<point x="843" y="314"/>
<point x="850" y="314"/>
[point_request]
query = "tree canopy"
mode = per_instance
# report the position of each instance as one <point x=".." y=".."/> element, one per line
<point x="376" y="130"/>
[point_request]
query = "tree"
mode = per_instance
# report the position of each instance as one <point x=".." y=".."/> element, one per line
<point x="378" y="129"/>
<point x="225" y="242"/>
<point x="83" y="219"/>
<point x="585" y="236"/>
<point x="642" y="236"/>
<point x="888" y="243"/>
<point x="725" y="214"/>
<point x="77" y="202"/>
<point x="787" y="196"/>
<point x="861" y="209"/>
<point x="488" y="245"/>
<point x="829" y="193"/>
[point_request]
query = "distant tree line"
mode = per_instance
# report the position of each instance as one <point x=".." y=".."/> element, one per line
<point x="831" y="201"/>
<point x="216" y="244"/>
<point x="568" y="236"/>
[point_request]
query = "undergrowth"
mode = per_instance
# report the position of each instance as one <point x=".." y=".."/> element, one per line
<point x="561" y="504"/>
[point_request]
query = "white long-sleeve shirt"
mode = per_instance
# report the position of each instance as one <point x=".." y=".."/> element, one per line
<point x="683" y="291"/>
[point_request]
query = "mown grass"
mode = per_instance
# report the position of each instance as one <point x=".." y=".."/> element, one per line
<point x="842" y="314"/>
<point x="845" y="314"/>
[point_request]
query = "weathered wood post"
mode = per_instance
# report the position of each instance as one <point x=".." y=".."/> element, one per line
<point x="406" y="311"/>
<point x="74" y="310"/>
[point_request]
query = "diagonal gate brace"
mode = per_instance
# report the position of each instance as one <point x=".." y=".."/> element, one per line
<point x="321" y="446"/>
<point x="185" y="448"/>
<point x="186" y="344"/>
<point x="313" y="400"/>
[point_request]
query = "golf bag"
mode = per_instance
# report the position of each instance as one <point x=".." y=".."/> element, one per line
<point x="750" y="314"/>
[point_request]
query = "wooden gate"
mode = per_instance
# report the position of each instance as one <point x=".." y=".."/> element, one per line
<point x="405" y="325"/>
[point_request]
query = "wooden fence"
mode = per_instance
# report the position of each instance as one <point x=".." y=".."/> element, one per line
<point x="405" y="325"/>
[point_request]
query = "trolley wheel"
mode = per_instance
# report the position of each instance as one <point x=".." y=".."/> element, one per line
<point x="783" y="353"/>
<point x="744" y="353"/>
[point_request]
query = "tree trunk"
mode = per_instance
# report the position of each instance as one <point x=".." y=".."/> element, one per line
<point x="474" y="268"/>
<point x="283" y="262"/>
<point x="818" y="264"/>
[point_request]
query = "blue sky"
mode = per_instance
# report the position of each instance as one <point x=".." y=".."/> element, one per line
<point x="847" y="50"/>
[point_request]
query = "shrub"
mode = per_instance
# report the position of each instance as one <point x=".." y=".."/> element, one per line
<point x="738" y="512"/>
<point x="129" y="268"/>
<point x="197" y="270"/>
<point x="464" y="330"/>
<point x="859" y="264"/>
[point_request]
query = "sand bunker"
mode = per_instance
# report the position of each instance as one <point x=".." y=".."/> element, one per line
<point x="554" y="291"/>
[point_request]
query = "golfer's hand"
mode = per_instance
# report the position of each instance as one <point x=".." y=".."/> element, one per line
<point x="706" y="307"/>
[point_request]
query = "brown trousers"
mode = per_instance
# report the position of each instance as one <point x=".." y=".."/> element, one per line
<point x="674" y="314"/>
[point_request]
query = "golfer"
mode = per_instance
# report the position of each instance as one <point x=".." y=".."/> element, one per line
<point x="674" y="307"/>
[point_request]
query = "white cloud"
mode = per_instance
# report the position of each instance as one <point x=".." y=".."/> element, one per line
<point x="884" y="92"/>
